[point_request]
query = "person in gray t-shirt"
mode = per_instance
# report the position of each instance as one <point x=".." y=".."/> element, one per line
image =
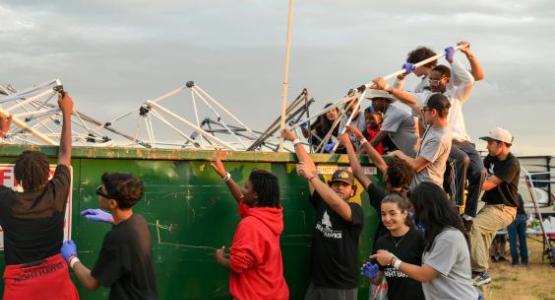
<point x="445" y="271"/>
<point x="397" y="123"/>
<point x="432" y="155"/>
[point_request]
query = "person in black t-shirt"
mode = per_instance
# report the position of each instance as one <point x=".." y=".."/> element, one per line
<point x="334" y="252"/>
<point x="33" y="222"/>
<point x="125" y="261"/>
<point x="397" y="173"/>
<point x="501" y="198"/>
<point x="403" y="241"/>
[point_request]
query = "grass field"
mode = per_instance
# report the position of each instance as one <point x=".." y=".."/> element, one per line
<point x="523" y="283"/>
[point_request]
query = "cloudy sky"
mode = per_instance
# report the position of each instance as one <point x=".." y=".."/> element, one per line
<point x="113" y="55"/>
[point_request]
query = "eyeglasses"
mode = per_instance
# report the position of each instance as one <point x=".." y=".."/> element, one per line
<point x="99" y="192"/>
<point x="434" y="81"/>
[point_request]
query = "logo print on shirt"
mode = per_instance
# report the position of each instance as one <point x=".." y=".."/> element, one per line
<point x="326" y="227"/>
<point x="490" y="170"/>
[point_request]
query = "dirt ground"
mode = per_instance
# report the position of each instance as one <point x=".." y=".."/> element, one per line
<point x="523" y="283"/>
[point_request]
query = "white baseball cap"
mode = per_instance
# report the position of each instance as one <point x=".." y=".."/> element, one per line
<point x="499" y="134"/>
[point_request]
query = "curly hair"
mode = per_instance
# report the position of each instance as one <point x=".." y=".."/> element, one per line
<point x="32" y="170"/>
<point x="421" y="53"/>
<point x="399" y="173"/>
<point x="443" y="70"/>
<point x="125" y="188"/>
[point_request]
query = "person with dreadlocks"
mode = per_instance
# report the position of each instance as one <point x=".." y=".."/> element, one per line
<point x="33" y="222"/>
<point x="255" y="261"/>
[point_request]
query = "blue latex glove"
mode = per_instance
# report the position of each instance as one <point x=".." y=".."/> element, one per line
<point x="369" y="270"/>
<point x="97" y="215"/>
<point x="69" y="249"/>
<point x="449" y="54"/>
<point x="409" y="68"/>
<point x="329" y="147"/>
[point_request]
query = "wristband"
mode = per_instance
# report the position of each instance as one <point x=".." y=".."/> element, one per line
<point x="312" y="177"/>
<point x="227" y="177"/>
<point x="397" y="263"/>
<point x="73" y="260"/>
<point x="363" y="141"/>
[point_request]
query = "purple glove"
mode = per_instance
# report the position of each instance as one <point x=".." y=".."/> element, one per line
<point x="449" y="54"/>
<point x="97" y="215"/>
<point x="409" y="68"/>
<point x="329" y="147"/>
<point x="69" y="249"/>
<point x="369" y="270"/>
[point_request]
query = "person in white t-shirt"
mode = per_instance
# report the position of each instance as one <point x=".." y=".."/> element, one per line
<point x="468" y="162"/>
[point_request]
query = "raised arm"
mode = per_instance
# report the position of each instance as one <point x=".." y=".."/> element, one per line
<point x="400" y="94"/>
<point x="373" y="155"/>
<point x="219" y="167"/>
<point x="300" y="150"/>
<point x="475" y="67"/>
<point x="340" y="206"/>
<point x="353" y="160"/>
<point x="464" y="80"/>
<point x="66" y="106"/>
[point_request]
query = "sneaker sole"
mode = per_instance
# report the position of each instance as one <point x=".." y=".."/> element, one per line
<point x="480" y="283"/>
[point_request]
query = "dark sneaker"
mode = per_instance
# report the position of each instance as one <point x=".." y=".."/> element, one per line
<point x="481" y="279"/>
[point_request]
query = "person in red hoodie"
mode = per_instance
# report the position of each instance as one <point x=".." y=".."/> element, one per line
<point x="255" y="260"/>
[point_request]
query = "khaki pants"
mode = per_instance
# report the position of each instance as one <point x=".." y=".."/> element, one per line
<point x="484" y="227"/>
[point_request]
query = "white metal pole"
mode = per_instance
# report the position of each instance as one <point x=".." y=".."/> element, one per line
<point x="163" y="120"/>
<point x="219" y="117"/>
<point x="286" y="73"/>
<point x="222" y="108"/>
<point x="189" y="124"/>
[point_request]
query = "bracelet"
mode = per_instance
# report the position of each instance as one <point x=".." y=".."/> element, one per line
<point x="296" y="141"/>
<point x="73" y="260"/>
<point x="363" y="141"/>
<point x="312" y="177"/>
<point x="393" y="257"/>
<point x="397" y="263"/>
<point x="227" y="177"/>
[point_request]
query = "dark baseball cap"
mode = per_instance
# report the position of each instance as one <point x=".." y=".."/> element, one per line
<point x="342" y="176"/>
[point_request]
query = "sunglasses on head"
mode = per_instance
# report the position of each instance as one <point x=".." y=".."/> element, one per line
<point x="99" y="192"/>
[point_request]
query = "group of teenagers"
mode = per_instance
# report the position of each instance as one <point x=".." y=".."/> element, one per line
<point x="424" y="248"/>
<point x="32" y="217"/>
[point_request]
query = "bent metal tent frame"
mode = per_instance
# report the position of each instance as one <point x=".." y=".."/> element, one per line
<point x="152" y="124"/>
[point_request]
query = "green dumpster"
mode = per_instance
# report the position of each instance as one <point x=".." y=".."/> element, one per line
<point x="191" y="212"/>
